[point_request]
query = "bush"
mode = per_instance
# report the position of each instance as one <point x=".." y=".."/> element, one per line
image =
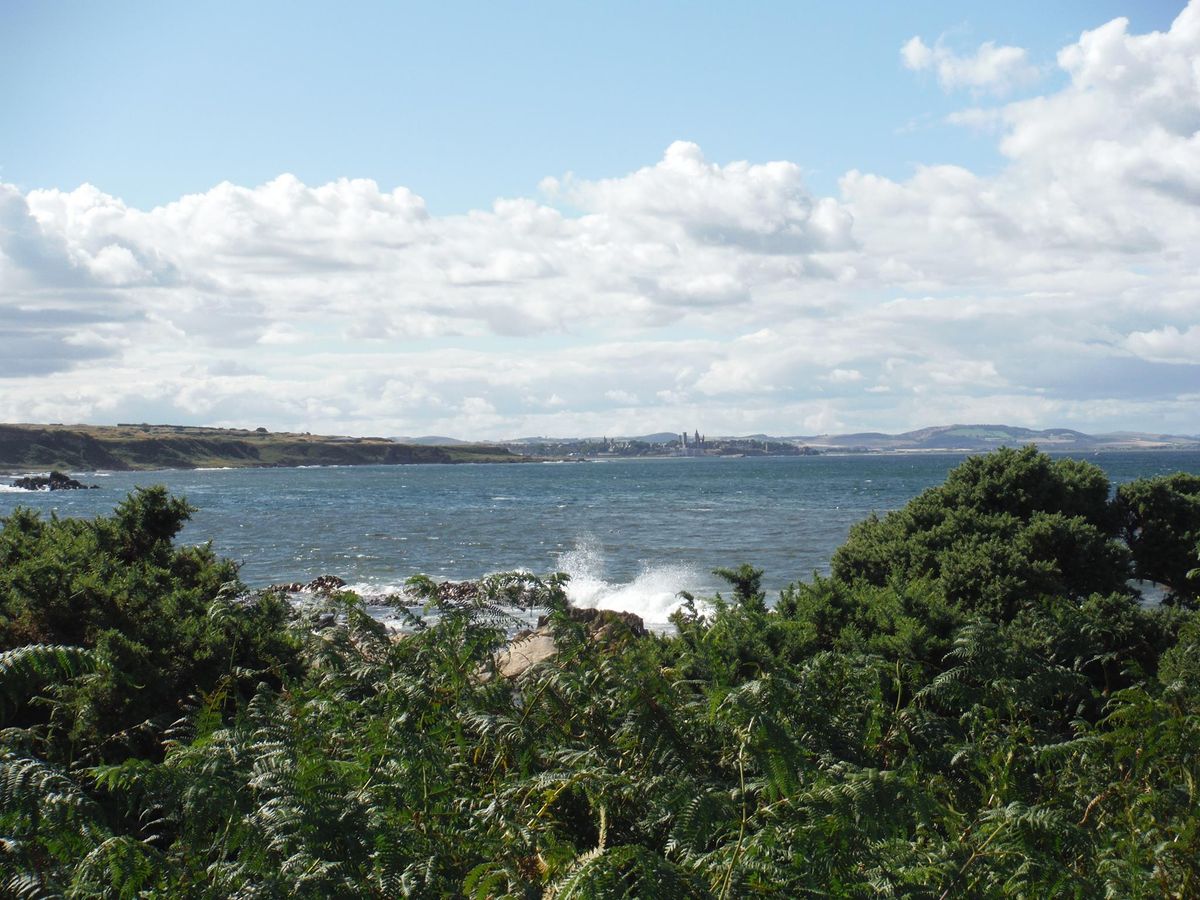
<point x="1160" y="520"/>
<point x="1004" y="530"/>
<point x="169" y="622"/>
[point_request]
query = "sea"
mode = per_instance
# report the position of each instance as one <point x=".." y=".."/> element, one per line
<point x="630" y="533"/>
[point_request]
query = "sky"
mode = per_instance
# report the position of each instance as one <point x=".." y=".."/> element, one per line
<point x="502" y="220"/>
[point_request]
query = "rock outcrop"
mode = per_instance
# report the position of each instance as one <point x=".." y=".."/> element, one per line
<point x="322" y="584"/>
<point x="55" y="481"/>
<point x="601" y="622"/>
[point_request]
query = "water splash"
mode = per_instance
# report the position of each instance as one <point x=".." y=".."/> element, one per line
<point x="653" y="594"/>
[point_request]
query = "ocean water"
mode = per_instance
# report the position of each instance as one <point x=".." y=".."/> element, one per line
<point x="630" y="533"/>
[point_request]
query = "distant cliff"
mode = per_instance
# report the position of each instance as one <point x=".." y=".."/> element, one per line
<point x="123" y="447"/>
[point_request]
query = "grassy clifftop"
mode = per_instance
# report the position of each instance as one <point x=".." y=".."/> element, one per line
<point x="124" y="447"/>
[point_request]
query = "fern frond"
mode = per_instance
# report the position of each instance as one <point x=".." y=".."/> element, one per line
<point x="24" y="668"/>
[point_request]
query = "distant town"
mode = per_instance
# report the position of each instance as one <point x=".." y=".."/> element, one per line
<point x="682" y="444"/>
<point x="936" y="439"/>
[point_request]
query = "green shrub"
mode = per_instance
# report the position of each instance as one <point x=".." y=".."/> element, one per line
<point x="170" y="622"/>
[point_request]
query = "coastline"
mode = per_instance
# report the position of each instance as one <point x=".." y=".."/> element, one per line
<point x="28" y="448"/>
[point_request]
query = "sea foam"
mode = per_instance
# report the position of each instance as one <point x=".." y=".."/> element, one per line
<point x="653" y="593"/>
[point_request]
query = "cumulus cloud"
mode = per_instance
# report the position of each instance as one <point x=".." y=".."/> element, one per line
<point x="990" y="68"/>
<point x="1060" y="289"/>
<point x="764" y="208"/>
<point x="1167" y="344"/>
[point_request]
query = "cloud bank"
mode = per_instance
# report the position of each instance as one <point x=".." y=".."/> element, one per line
<point x="1063" y="289"/>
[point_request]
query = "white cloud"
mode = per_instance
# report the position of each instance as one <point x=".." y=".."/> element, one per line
<point x="990" y="68"/>
<point x="1061" y="289"/>
<point x="1169" y="344"/>
<point x="763" y="208"/>
<point x="624" y="398"/>
<point x="844" y="376"/>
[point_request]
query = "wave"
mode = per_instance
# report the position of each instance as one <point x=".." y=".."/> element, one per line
<point x="653" y="593"/>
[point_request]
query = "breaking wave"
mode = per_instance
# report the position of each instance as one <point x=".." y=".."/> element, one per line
<point x="653" y="593"/>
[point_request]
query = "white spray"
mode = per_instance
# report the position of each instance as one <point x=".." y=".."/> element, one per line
<point x="653" y="594"/>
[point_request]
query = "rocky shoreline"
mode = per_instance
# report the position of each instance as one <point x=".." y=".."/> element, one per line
<point x="55" y="481"/>
<point x="526" y="648"/>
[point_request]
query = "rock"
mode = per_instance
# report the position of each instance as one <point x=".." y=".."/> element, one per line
<point x="324" y="584"/>
<point x="465" y="592"/>
<point x="602" y="620"/>
<point x="458" y="591"/>
<point x="522" y="655"/>
<point x="55" y="481"/>
<point x="288" y="587"/>
<point x="528" y="648"/>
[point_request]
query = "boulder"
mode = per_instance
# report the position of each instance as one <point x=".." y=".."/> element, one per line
<point x="602" y="620"/>
<point x="55" y="481"/>
<point x="525" y="653"/>
<point x="528" y="648"/>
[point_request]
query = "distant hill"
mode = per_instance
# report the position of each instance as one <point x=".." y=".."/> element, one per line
<point x="659" y="437"/>
<point x="987" y="437"/>
<point x="431" y="440"/>
<point x="934" y="438"/>
<point x="123" y="447"/>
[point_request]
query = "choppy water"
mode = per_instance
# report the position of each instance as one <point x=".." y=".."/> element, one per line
<point x="631" y="533"/>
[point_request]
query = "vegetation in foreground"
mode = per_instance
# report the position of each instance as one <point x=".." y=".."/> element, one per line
<point x="974" y="703"/>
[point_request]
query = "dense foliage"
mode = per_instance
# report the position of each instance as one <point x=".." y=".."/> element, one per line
<point x="160" y="617"/>
<point x="974" y="703"/>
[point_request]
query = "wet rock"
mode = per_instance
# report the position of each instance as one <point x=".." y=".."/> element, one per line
<point x="466" y="592"/>
<point x="55" y="481"/>
<point x="324" y="584"/>
<point x="287" y="587"/>
<point x="458" y="591"/>
<point x="602" y="620"/>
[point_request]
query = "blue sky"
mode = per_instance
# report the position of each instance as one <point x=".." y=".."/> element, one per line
<point x="463" y="103"/>
<point x="491" y="220"/>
